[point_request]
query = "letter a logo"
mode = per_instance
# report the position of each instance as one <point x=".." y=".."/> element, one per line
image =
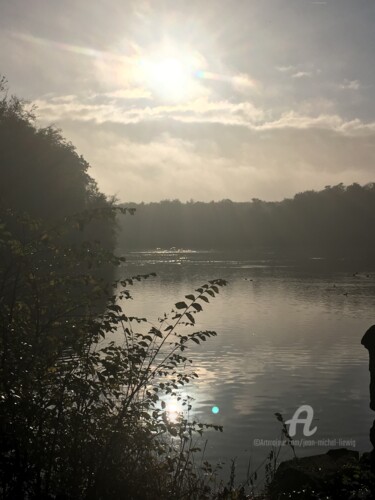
<point x="307" y="421"/>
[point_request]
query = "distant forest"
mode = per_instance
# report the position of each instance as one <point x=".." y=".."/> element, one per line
<point x="339" y="220"/>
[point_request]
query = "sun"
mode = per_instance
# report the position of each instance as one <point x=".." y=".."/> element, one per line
<point x="170" y="73"/>
<point x="170" y="76"/>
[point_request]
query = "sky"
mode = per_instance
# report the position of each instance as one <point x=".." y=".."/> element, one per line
<point x="201" y="99"/>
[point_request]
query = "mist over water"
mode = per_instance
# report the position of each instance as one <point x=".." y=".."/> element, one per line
<point x="288" y="334"/>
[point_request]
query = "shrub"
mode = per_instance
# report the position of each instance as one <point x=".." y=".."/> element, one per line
<point x="82" y="414"/>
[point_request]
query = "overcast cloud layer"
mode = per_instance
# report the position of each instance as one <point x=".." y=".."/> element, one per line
<point x="281" y="99"/>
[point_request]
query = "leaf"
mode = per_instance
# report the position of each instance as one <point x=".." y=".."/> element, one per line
<point x="197" y="306"/>
<point x="191" y="317"/>
<point x="181" y="305"/>
<point x="190" y="297"/>
<point x="156" y="332"/>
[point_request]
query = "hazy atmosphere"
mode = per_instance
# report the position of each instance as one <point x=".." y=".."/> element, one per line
<point x="201" y="100"/>
<point x="214" y="162"/>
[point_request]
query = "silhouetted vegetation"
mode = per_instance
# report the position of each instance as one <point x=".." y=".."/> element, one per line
<point x="333" y="222"/>
<point x="83" y="395"/>
<point x="84" y="386"/>
<point x="42" y="175"/>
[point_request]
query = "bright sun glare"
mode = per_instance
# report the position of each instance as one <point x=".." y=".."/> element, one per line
<point x="170" y="76"/>
<point x="174" y="410"/>
<point x="169" y="73"/>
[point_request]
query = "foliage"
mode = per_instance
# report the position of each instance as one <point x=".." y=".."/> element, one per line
<point x="83" y="390"/>
<point x="285" y="433"/>
<point x="42" y="175"/>
<point x="336" y="221"/>
<point x="83" y="384"/>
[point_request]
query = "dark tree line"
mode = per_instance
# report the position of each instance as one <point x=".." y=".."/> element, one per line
<point x="335" y="221"/>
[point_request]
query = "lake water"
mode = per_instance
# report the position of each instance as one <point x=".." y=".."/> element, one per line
<point x="289" y="337"/>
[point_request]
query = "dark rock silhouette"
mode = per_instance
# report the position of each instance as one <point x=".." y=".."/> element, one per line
<point x="295" y="476"/>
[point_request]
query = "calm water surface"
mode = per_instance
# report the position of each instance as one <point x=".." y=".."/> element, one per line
<point x="289" y="337"/>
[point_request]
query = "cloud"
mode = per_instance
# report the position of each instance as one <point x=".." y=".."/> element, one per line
<point x="350" y="85"/>
<point x="294" y="72"/>
<point x="302" y="74"/>
<point x="284" y="69"/>
<point x="163" y="168"/>
<point x="198" y="110"/>
<point x="243" y="83"/>
<point x="223" y="112"/>
<point x="268" y="161"/>
<point x="63" y="99"/>
<point x="129" y="93"/>
<point x="330" y="122"/>
<point x="262" y="124"/>
<point x="211" y="149"/>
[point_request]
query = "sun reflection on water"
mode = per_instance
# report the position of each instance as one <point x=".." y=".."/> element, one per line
<point x="174" y="410"/>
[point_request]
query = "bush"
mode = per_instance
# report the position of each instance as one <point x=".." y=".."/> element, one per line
<point x="83" y="415"/>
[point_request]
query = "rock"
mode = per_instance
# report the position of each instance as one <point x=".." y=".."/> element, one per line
<point x="294" y="477"/>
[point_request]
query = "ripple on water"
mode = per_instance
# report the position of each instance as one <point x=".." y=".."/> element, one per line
<point x="288" y="337"/>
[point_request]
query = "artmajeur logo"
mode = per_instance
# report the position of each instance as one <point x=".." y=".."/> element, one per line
<point x="304" y="415"/>
<point x="305" y="421"/>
